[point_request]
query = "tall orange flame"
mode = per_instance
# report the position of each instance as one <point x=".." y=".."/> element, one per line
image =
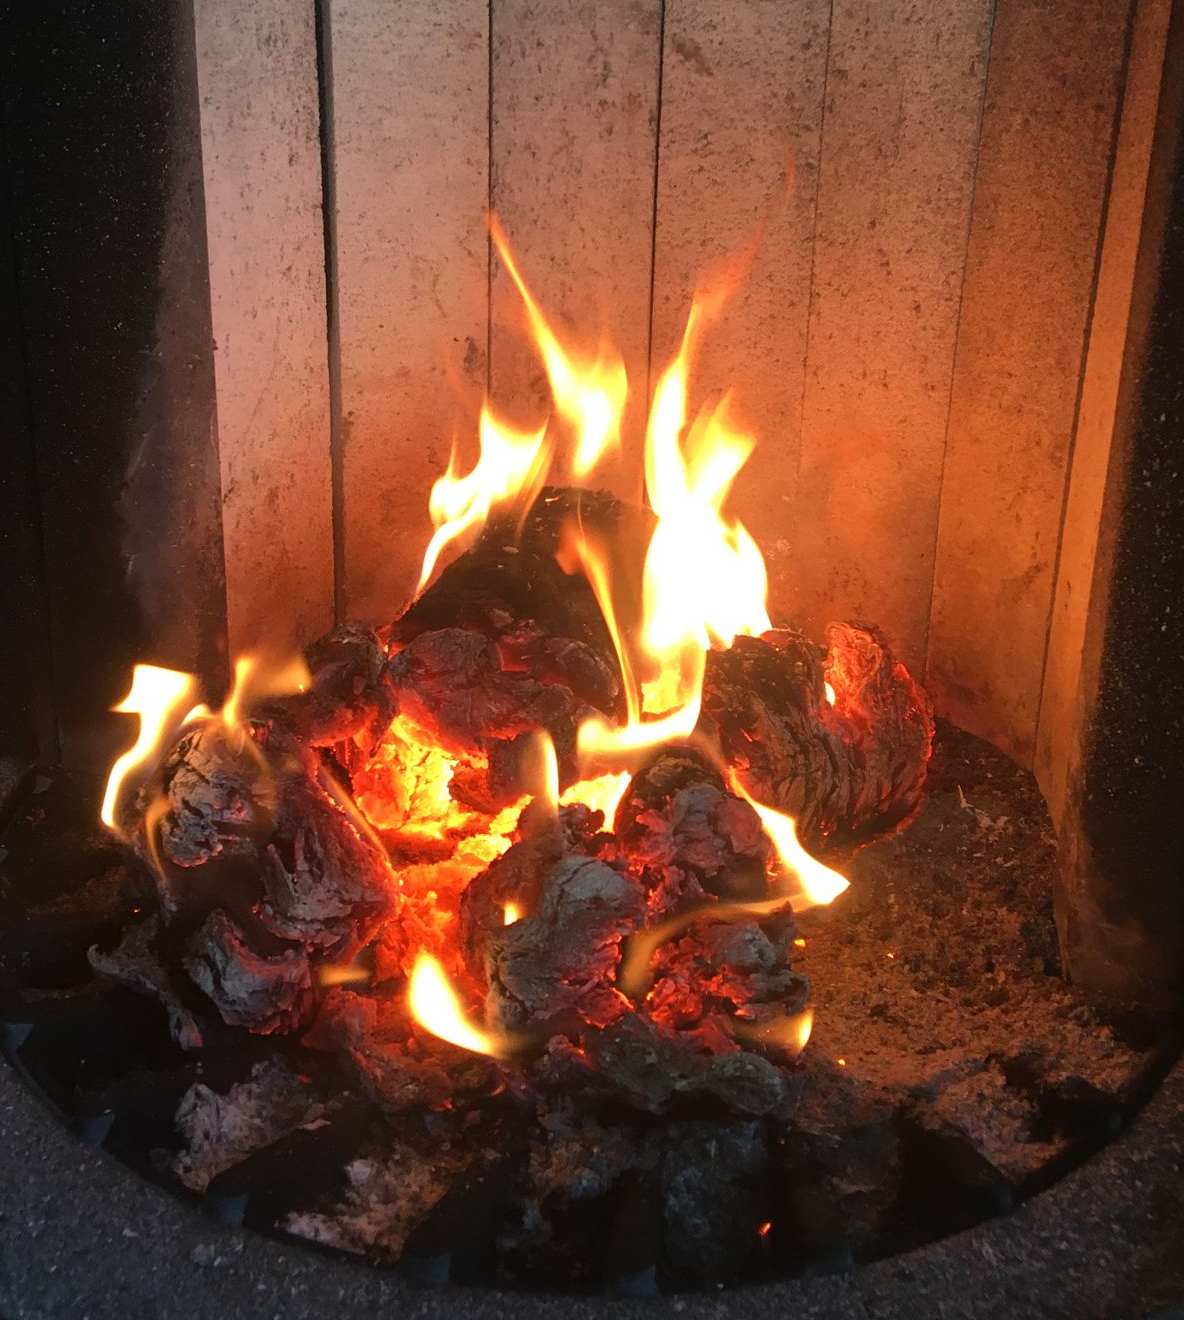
<point x="157" y="696"/>
<point x="512" y="464"/>
<point x="589" y="394"/>
<point x="704" y="580"/>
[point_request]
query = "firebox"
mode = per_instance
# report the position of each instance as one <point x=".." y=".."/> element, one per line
<point x="595" y="654"/>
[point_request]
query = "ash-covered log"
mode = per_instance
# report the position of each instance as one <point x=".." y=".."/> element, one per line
<point x="264" y="870"/>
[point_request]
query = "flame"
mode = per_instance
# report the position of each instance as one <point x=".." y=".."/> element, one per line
<point x="830" y="694"/>
<point x="604" y="793"/>
<point x="590" y="395"/>
<point x="256" y="677"/>
<point x="157" y="696"/>
<point x="704" y="580"/>
<point x="633" y="976"/>
<point x="542" y="771"/>
<point x="790" y="1033"/>
<point x="512" y="464"/>
<point x="820" y="885"/>
<point x="434" y="1005"/>
<point x="511" y="913"/>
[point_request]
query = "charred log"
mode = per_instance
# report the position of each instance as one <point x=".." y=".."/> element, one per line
<point x="249" y="989"/>
<point x="510" y="588"/>
<point x="263" y="868"/>
<point x="451" y="684"/>
<point x="844" y="772"/>
<point x="348" y="697"/>
<point x="688" y="838"/>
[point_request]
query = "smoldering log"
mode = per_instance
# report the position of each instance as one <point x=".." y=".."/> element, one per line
<point x="298" y="853"/>
<point x="250" y="989"/>
<point x="560" y="956"/>
<point x="398" y="1065"/>
<point x="844" y="772"/>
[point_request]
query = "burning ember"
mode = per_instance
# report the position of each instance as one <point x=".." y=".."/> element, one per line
<point x="560" y="813"/>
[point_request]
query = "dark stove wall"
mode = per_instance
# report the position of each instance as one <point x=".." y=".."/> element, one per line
<point x="1121" y="905"/>
<point x="109" y="394"/>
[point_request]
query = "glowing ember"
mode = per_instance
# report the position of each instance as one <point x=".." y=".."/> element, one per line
<point x="434" y="1005"/>
<point x="633" y="978"/>
<point x="157" y="696"/>
<point x="830" y="694"/>
<point x="511" y="913"/>
<point x="332" y="974"/>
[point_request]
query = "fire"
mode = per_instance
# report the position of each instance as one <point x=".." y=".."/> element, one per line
<point x="157" y="696"/>
<point x="543" y="771"/>
<point x="604" y="793"/>
<point x="790" y="1034"/>
<point x="830" y="694"/>
<point x="434" y="1005"/>
<point x="820" y="885"/>
<point x="259" y="676"/>
<point x="512" y="464"/>
<point x="704" y="579"/>
<point x="590" y="395"/>
<point x="511" y="913"/>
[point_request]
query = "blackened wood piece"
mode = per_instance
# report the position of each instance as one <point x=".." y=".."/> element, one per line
<point x="262" y="858"/>
<point x="563" y="955"/>
<point x="844" y="772"/>
<point x="560" y="957"/>
<point x="220" y="796"/>
<point x="222" y="1130"/>
<point x="654" y="1070"/>
<point x="327" y="882"/>
<point x="305" y="1169"/>
<point x="348" y="695"/>
<point x="398" y="1065"/>
<point x="712" y="1177"/>
<point x="510" y="587"/>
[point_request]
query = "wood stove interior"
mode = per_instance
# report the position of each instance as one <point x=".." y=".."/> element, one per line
<point x="950" y="347"/>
